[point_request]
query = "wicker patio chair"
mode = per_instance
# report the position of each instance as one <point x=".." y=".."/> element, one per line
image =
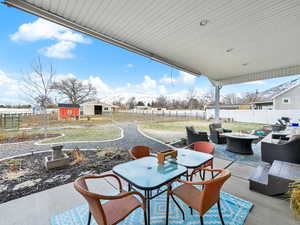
<point x="200" y="200"/>
<point x="116" y="209"/>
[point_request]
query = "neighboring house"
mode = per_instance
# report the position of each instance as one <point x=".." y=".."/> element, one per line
<point x="289" y="99"/>
<point x="263" y="105"/>
<point x="142" y="107"/>
<point x="68" y="111"/>
<point x="229" y="106"/>
<point x="283" y="97"/>
<point x="96" y="108"/>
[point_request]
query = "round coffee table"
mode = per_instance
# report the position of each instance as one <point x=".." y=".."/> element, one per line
<point x="240" y="143"/>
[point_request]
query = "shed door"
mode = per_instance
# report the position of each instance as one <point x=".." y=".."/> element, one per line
<point x="98" y="109"/>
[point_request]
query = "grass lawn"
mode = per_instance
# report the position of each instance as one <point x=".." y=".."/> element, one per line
<point x="37" y="121"/>
<point x="173" y="130"/>
<point x="86" y="134"/>
<point x="71" y="134"/>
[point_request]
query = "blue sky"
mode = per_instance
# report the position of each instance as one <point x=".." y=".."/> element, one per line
<point x="113" y="70"/>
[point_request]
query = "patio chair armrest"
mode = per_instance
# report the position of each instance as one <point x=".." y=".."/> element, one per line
<point x="107" y="175"/>
<point x="190" y="145"/>
<point x="191" y="182"/>
<point x="227" y="130"/>
<point x="212" y="170"/>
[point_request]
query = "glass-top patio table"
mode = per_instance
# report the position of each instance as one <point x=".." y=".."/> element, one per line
<point x="147" y="174"/>
<point x="191" y="159"/>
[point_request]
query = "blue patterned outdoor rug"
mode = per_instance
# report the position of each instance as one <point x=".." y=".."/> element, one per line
<point x="250" y="160"/>
<point x="234" y="210"/>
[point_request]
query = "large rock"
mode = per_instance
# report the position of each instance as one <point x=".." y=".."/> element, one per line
<point x="25" y="184"/>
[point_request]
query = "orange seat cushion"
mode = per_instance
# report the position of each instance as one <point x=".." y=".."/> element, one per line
<point x="185" y="191"/>
<point x="117" y="210"/>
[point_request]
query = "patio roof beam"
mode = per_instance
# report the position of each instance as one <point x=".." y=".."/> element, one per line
<point x="27" y="7"/>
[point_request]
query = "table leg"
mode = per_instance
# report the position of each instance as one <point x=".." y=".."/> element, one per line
<point x="147" y="198"/>
<point x="149" y="208"/>
<point x="129" y="187"/>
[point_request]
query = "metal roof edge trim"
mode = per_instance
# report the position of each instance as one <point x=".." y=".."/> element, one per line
<point x="268" y="74"/>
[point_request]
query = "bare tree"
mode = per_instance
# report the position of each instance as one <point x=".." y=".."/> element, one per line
<point x="251" y="97"/>
<point x="38" y="82"/>
<point x="230" y="99"/>
<point x="161" y="102"/>
<point x="75" y="90"/>
<point x="209" y="96"/>
<point x="191" y="98"/>
<point x="118" y="101"/>
<point x="37" y="86"/>
<point x="131" y="102"/>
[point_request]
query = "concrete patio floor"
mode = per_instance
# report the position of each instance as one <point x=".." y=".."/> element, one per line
<point x="36" y="209"/>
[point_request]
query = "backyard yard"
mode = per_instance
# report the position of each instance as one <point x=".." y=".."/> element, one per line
<point x="168" y="131"/>
<point x="99" y="133"/>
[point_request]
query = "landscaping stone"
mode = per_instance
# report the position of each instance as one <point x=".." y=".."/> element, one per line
<point x="25" y="184"/>
<point x="3" y="188"/>
<point x="58" y="177"/>
<point x="37" y="178"/>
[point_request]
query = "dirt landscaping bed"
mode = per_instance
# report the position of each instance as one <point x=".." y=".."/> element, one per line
<point x="32" y="137"/>
<point x="26" y="175"/>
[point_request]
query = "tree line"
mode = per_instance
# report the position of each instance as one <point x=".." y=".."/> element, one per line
<point x="192" y="100"/>
<point x="40" y="86"/>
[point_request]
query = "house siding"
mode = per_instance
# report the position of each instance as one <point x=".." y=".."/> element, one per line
<point x="293" y="95"/>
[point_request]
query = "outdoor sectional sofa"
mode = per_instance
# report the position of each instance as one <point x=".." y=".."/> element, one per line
<point x="288" y="151"/>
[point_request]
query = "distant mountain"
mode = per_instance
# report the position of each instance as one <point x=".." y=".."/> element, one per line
<point x="272" y="92"/>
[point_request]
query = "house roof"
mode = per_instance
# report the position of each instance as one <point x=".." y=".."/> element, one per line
<point x="295" y="84"/>
<point x="274" y="92"/>
<point x="263" y="103"/>
<point x="63" y="105"/>
<point x="228" y="41"/>
<point x="97" y="102"/>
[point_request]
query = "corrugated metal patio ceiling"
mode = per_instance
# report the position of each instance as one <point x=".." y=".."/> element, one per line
<point x="242" y="41"/>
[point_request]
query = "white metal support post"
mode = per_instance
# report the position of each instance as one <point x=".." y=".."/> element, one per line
<point x="217" y="102"/>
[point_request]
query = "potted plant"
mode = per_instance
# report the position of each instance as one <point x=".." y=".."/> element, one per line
<point x="294" y="196"/>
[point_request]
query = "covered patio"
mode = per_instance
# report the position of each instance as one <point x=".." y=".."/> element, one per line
<point x="37" y="209"/>
<point x="229" y="42"/>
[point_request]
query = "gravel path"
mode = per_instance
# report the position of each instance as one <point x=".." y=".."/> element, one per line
<point x="131" y="138"/>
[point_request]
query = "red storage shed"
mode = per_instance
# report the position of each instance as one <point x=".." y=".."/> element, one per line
<point x="68" y="111"/>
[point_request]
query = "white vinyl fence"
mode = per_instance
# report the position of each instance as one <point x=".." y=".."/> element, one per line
<point x="249" y="116"/>
<point x="257" y="116"/>
<point x="24" y="111"/>
<point x="165" y="112"/>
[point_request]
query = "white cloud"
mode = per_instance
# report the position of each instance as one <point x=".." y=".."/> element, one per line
<point x="99" y="84"/>
<point x="167" y="80"/>
<point x="182" y="78"/>
<point x="59" y="77"/>
<point x="148" y="83"/>
<point x="60" y="50"/>
<point x="10" y="89"/>
<point x="45" y="30"/>
<point x="129" y="65"/>
<point x="187" y="78"/>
